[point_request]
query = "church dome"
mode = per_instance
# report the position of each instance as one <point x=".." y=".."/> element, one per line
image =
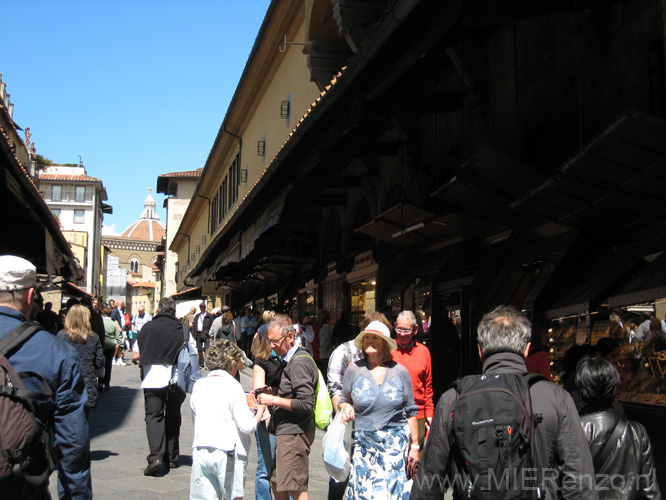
<point x="148" y="227"/>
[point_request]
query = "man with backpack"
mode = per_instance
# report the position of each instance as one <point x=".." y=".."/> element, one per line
<point x="506" y="433"/>
<point x="57" y="393"/>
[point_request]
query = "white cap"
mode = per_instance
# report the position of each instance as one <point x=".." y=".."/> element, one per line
<point x="16" y="273"/>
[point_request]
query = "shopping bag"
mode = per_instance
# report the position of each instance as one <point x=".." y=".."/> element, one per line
<point x="337" y="448"/>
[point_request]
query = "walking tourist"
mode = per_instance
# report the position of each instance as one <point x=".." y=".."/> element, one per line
<point x="377" y="396"/>
<point x="223" y="425"/>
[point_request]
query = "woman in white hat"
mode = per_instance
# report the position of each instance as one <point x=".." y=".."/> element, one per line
<point x="377" y="395"/>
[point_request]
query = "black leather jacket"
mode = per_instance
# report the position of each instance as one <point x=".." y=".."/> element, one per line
<point x="632" y="460"/>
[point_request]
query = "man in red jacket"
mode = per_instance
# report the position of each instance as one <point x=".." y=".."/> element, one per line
<point x="415" y="357"/>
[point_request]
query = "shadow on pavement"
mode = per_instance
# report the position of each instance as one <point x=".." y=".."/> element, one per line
<point x="113" y="407"/>
<point x="97" y="455"/>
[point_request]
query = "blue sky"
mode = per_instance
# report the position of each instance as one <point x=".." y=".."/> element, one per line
<point x="137" y="88"/>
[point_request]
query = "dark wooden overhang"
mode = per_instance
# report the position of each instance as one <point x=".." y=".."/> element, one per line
<point x="602" y="273"/>
<point x="382" y="82"/>
<point x="27" y="226"/>
<point x="486" y="184"/>
<point x="614" y="184"/>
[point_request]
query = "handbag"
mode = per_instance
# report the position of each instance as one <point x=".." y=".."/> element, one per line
<point x="337" y="448"/>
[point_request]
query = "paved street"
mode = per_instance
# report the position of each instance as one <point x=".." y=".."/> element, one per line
<point x="118" y="448"/>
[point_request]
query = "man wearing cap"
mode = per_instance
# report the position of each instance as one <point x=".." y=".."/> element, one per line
<point x="293" y="411"/>
<point x="59" y="364"/>
<point x="415" y="357"/>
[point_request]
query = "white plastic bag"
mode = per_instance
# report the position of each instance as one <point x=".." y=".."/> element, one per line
<point x="337" y="446"/>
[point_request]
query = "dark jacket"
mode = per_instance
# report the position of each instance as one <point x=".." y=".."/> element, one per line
<point x="632" y="459"/>
<point x="59" y="364"/>
<point x="226" y="332"/>
<point x="97" y="325"/>
<point x="207" y="322"/>
<point x="298" y="382"/>
<point x="116" y="315"/>
<point x="160" y="340"/>
<point x="92" y="358"/>
<point x="559" y="438"/>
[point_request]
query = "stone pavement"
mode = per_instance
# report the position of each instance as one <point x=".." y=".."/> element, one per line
<point x="118" y="447"/>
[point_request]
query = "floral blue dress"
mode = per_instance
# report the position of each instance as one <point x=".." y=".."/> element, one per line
<point x="381" y="431"/>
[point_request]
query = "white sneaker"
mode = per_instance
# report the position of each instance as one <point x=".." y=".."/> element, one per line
<point x="121" y="363"/>
<point x="114" y="362"/>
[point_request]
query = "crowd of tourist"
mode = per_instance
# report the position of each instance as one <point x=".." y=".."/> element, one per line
<point x="379" y="377"/>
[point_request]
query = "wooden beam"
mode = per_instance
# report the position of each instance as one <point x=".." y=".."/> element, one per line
<point x="367" y="150"/>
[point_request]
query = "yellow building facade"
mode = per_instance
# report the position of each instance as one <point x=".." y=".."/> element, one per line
<point x="274" y="93"/>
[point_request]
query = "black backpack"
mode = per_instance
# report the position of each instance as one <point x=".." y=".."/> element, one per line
<point x="493" y="439"/>
<point x="25" y="456"/>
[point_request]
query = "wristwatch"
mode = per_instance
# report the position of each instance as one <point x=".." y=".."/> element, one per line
<point x="415" y="447"/>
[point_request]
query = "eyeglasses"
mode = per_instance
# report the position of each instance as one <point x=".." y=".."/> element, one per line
<point x="276" y="341"/>
<point x="403" y="330"/>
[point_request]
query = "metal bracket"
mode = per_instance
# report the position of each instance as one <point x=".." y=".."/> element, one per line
<point x="283" y="46"/>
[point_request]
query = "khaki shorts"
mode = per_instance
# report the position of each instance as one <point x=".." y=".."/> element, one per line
<point x="292" y="464"/>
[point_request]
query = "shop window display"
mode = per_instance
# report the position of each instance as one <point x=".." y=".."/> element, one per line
<point x="638" y="349"/>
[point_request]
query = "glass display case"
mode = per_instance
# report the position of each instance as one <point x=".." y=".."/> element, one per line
<point x="638" y="349"/>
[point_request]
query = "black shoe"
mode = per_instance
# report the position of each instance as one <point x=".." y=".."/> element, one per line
<point x="173" y="465"/>
<point x="153" y="468"/>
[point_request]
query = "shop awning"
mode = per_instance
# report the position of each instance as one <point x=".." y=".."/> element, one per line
<point x="407" y="224"/>
<point x="647" y="285"/>
<point x="74" y="290"/>
<point x="485" y="185"/>
<point x="420" y="266"/>
<point x="604" y="274"/>
<point x="188" y="294"/>
<point x="615" y="182"/>
<point x="466" y="263"/>
<point x="267" y="219"/>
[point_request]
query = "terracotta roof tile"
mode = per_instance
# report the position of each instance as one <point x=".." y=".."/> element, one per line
<point x="145" y="229"/>
<point x="184" y="173"/>
<point x="22" y="167"/>
<point x="67" y="177"/>
<point x="144" y="284"/>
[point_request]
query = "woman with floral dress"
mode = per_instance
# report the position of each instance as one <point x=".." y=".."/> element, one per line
<point x="377" y="395"/>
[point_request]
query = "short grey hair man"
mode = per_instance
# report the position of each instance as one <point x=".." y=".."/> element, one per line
<point x="283" y="323"/>
<point x="504" y="329"/>
<point x="410" y="316"/>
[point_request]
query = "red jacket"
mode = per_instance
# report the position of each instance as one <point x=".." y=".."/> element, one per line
<point x="417" y="361"/>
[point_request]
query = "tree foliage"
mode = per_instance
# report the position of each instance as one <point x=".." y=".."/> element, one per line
<point x="41" y="162"/>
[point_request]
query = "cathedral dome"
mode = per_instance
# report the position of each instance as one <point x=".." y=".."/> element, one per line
<point x="148" y="227"/>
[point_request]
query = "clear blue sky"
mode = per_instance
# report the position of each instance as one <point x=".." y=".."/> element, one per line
<point x="137" y="88"/>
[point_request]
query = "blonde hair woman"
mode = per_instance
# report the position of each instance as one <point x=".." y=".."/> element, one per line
<point x="223" y="424"/>
<point x="78" y="333"/>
